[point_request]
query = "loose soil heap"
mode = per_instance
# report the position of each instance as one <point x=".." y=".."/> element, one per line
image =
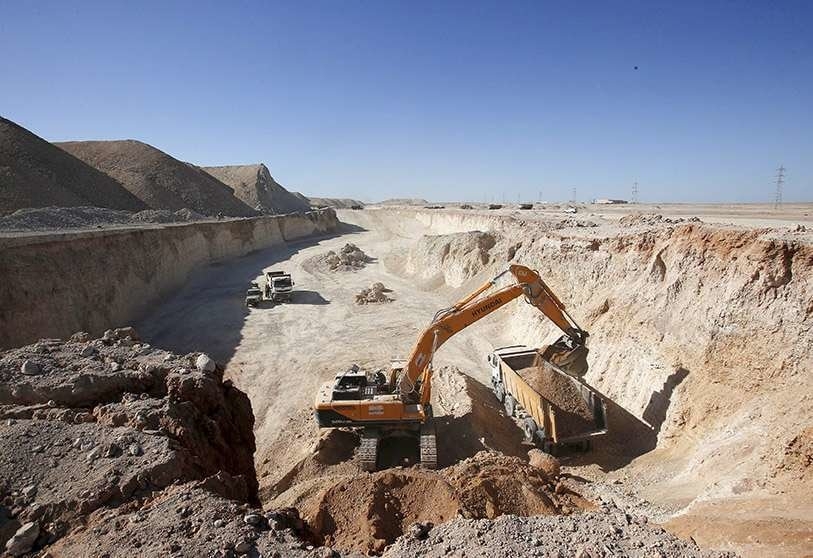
<point x="58" y="218"/>
<point x="607" y="531"/>
<point x="254" y="185"/>
<point x="157" y="179"/>
<point x="376" y="294"/>
<point x="572" y="413"/>
<point x="35" y="173"/>
<point x="349" y="258"/>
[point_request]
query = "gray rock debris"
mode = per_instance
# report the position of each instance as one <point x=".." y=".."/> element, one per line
<point x="23" y="539"/>
<point x="30" y="368"/>
<point x="205" y="363"/>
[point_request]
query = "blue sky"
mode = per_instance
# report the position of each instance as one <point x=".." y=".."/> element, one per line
<point x="441" y="100"/>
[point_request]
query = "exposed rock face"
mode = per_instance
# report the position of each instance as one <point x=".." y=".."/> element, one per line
<point x="159" y="180"/>
<point x="35" y="173"/>
<point x="83" y="434"/>
<point x="254" y="185"/>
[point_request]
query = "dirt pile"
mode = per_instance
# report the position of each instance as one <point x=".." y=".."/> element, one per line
<point x="368" y="512"/>
<point x="254" y="185"/>
<point x="649" y="219"/>
<point x="349" y="258"/>
<point x="157" y="179"/>
<point x="491" y="484"/>
<point x="60" y="218"/>
<point x="92" y="423"/>
<point x="375" y="294"/>
<point x="450" y="259"/>
<point x="189" y="520"/>
<point x="35" y="173"/>
<point x="608" y="531"/>
<point x="572" y="413"/>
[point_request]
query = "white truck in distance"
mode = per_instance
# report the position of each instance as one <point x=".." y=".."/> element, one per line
<point x="278" y="286"/>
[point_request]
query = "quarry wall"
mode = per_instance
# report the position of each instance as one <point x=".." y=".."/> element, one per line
<point x="52" y="285"/>
<point x="700" y="334"/>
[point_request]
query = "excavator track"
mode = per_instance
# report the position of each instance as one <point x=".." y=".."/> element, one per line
<point x="368" y="450"/>
<point x="429" y="449"/>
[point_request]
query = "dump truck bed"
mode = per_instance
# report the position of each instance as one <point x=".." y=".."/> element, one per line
<point x="564" y="409"/>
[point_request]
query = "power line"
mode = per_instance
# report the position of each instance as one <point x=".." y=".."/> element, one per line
<point x="635" y="192"/>
<point x="780" y="182"/>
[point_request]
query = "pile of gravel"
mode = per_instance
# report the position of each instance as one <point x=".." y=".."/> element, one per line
<point x="59" y="218"/>
<point x="608" y="531"/>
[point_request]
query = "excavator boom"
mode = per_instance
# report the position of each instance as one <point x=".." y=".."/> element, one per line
<point x="471" y="309"/>
<point x="399" y="404"/>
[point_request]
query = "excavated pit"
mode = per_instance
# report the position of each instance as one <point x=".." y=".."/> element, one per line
<point x="700" y="343"/>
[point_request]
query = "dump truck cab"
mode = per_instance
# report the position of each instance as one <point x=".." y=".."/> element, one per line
<point x="253" y="295"/>
<point x="278" y="286"/>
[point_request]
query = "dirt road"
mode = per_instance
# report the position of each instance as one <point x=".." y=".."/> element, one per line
<point x="280" y="354"/>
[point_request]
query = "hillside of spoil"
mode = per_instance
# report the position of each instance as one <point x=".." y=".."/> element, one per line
<point x="700" y="338"/>
<point x="62" y="218"/>
<point x="35" y="173"/>
<point x="254" y="186"/>
<point x="157" y="179"/>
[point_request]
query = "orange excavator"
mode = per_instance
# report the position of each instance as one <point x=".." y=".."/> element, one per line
<point x="398" y="404"/>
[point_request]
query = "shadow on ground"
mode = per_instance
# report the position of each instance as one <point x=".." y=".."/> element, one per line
<point x="209" y="311"/>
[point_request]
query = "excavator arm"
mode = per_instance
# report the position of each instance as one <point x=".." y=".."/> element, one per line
<point x="571" y="348"/>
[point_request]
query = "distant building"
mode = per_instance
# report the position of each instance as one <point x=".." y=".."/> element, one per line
<point x="608" y="202"/>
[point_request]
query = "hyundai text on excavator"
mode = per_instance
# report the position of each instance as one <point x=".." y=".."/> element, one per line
<point x="398" y="404"/>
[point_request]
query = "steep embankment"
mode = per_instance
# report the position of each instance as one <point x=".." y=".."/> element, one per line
<point x="54" y="285"/>
<point x="700" y="338"/>
<point x="159" y="180"/>
<point x="35" y="173"/>
<point x="254" y="185"/>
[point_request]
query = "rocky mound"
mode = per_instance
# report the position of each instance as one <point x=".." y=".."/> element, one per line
<point x="375" y="294"/>
<point x="108" y="423"/>
<point x="650" y="219"/>
<point x="57" y="218"/>
<point x="254" y="185"/>
<point x="35" y="173"/>
<point x="159" y="180"/>
<point x="608" y="531"/>
<point x="349" y="258"/>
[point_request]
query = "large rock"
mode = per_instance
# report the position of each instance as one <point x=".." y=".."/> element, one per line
<point x="23" y="539"/>
<point x="545" y="462"/>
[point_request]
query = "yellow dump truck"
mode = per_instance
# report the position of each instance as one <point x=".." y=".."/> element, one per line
<point x="554" y="408"/>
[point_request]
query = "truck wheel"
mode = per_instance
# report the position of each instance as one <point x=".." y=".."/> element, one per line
<point x="499" y="391"/>
<point x="510" y="405"/>
<point x="529" y="428"/>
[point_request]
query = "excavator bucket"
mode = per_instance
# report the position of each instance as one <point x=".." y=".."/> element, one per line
<point x="572" y="360"/>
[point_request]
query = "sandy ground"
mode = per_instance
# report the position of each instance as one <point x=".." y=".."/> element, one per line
<point x="279" y="355"/>
<point x="284" y="352"/>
